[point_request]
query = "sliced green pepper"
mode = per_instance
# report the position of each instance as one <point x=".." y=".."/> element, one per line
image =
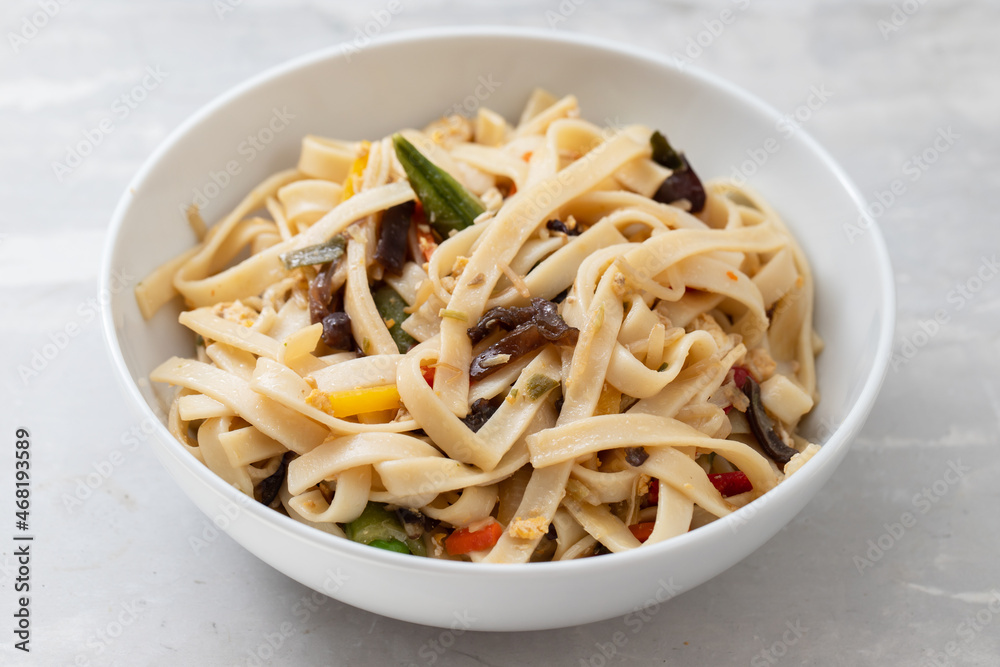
<point x="416" y="547"/>
<point x="539" y="385"/>
<point x="321" y="253"/>
<point x="391" y="308"/>
<point x="663" y="153"/>
<point x="378" y="527"/>
<point x="447" y="204"/>
<point x="392" y="544"/>
<point x="375" y="523"/>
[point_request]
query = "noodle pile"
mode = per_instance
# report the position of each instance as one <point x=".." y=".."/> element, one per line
<point x="614" y="441"/>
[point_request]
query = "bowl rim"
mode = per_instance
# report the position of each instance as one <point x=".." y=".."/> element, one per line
<point x="839" y="438"/>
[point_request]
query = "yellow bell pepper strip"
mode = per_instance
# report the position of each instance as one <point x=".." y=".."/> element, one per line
<point x="369" y="399"/>
<point x="357" y="169"/>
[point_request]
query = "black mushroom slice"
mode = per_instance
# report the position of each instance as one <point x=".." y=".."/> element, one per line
<point x="683" y="183"/>
<point x="504" y="318"/>
<point x="337" y="331"/>
<point x="324" y="306"/>
<point x="546" y="548"/>
<point x="270" y="486"/>
<point x="479" y="413"/>
<point x="636" y="456"/>
<point x="556" y="225"/>
<point x="763" y="427"/>
<point x="321" y="293"/>
<point x="414" y="522"/>
<point x="390" y="251"/>
<point x="533" y="327"/>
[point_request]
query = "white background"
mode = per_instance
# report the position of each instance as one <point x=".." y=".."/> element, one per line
<point x="116" y="575"/>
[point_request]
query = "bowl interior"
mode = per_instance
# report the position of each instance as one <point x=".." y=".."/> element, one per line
<point x="234" y="143"/>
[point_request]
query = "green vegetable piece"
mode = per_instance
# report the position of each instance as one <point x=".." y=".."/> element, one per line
<point x="447" y="205"/>
<point x="392" y="544"/>
<point x="416" y="547"/>
<point x="538" y="386"/>
<point x="321" y="253"/>
<point x="390" y="306"/>
<point x="375" y="523"/>
<point x="664" y="154"/>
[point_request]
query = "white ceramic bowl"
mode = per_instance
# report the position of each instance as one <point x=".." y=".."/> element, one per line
<point x="408" y="80"/>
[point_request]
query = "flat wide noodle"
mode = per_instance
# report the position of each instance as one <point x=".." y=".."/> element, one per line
<point x="338" y="454"/>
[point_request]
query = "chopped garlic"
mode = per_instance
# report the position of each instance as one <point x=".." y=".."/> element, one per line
<point x="495" y="360"/>
<point x="760" y="364"/>
<point x="528" y="529"/>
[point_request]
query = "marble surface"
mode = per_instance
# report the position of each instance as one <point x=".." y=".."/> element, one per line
<point x="117" y="578"/>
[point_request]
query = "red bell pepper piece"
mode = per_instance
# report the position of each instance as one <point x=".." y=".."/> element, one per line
<point x="654" y="491"/>
<point x="643" y="530"/>
<point x="462" y="541"/>
<point x="731" y="483"/>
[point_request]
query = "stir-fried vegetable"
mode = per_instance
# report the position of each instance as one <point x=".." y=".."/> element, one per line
<point x="463" y="541"/>
<point x="392" y="544"/>
<point x="664" y="154"/>
<point x="731" y="483"/>
<point x="533" y="327"/>
<point x="423" y="243"/>
<point x="337" y="331"/>
<point x="390" y="251"/>
<point x="359" y="401"/>
<point x="479" y="413"/>
<point x="414" y="522"/>
<point x="375" y="523"/>
<point x="447" y="204"/>
<point x="740" y="375"/>
<point x="763" y="427"/>
<point x="392" y="309"/>
<point x="378" y="527"/>
<point x="505" y="318"/>
<point x="643" y="530"/>
<point x="683" y="183"/>
<point x="321" y="295"/>
<point x="636" y="456"/>
<point x="321" y="253"/>
<point x="539" y="385"/>
<point x="324" y="306"/>
<point x="272" y="484"/>
<point x="556" y="225"/>
<point x="357" y="170"/>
